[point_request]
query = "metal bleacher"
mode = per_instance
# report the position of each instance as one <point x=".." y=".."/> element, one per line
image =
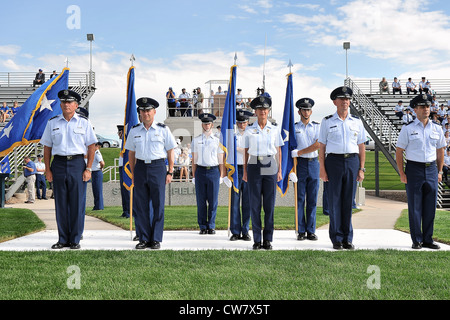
<point x="377" y="113"/>
<point x="18" y="86"/>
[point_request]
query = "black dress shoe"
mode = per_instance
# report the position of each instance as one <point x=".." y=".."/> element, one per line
<point x="234" y="237"/>
<point x="155" y="245"/>
<point x="142" y="245"/>
<point x="348" y="246"/>
<point x="266" y="245"/>
<point x="337" y="246"/>
<point x="75" y="246"/>
<point x="211" y="231"/>
<point x="432" y="245"/>
<point x="203" y="231"/>
<point x="246" y="237"/>
<point x="416" y="246"/>
<point x="257" y="246"/>
<point x="312" y="236"/>
<point x="136" y="238"/>
<point x="59" y="245"/>
<point x="301" y="236"/>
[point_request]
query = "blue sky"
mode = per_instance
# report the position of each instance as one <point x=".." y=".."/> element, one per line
<point x="186" y="43"/>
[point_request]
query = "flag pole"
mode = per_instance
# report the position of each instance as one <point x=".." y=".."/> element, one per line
<point x="296" y="198"/>
<point x="131" y="211"/>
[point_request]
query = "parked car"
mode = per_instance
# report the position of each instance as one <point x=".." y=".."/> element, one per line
<point x="107" y="143"/>
<point x="370" y="144"/>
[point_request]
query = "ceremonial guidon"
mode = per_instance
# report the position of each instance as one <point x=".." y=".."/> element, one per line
<point x="240" y="221"/>
<point x="207" y="169"/>
<point x="262" y="170"/>
<point x="307" y="135"/>
<point x="68" y="137"/>
<point x="423" y="143"/>
<point x="150" y="144"/>
<point x="342" y="137"/>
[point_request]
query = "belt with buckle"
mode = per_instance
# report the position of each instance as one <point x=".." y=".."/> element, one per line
<point x="343" y="155"/>
<point x="424" y="164"/>
<point x="68" y="158"/>
<point x="151" y="161"/>
<point x="207" y="167"/>
<point x="308" y="159"/>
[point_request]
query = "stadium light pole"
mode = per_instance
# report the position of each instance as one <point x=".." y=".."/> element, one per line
<point x="346" y="47"/>
<point x="90" y="38"/>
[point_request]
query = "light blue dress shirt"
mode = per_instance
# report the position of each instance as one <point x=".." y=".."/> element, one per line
<point x="419" y="142"/>
<point x="151" y="144"/>
<point x="342" y="136"/>
<point x="207" y="148"/>
<point x="262" y="141"/>
<point x="68" y="138"/>
<point x="307" y="136"/>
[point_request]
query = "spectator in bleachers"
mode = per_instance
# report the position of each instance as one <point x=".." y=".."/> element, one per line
<point x="184" y="101"/>
<point x="171" y="101"/>
<point x="399" y="109"/>
<point x="422" y="86"/>
<point x="428" y="89"/>
<point x="396" y="86"/>
<point x="5" y="112"/>
<point x="447" y="138"/>
<point x="407" y="117"/>
<point x="199" y="103"/>
<point x="15" y="108"/>
<point x="436" y="119"/>
<point x="441" y="112"/>
<point x="411" y="87"/>
<point x="384" y="86"/>
<point x="445" y="126"/>
<point x="39" y="79"/>
<point x="53" y="74"/>
<point x="446" y="166"/>
<point x="239" y="100"/>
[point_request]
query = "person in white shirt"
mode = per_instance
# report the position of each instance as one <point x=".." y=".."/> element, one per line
<point x="411" y="87"/>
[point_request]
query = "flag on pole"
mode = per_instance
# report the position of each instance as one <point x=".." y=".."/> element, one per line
<point x="228" y="137"/>
<point x="288" y="135"/>
<point x="28" y="124"/>
<point x="130" y="120"/>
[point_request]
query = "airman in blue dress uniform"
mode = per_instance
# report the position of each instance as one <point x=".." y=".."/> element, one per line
<point x="423" y="142"/>
<point x="240" y="222"/>
<point x="150" y="144"/>
<point x="262" y="170"/>
<point x="342" y="137"/>
<point x="68" y="137"/>
<point x="207" y="169"/>
<point x="307" y="135"/>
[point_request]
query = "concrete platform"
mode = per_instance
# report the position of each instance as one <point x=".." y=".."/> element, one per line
<point x="364" y="239"/>
<point x="373" y="229"/>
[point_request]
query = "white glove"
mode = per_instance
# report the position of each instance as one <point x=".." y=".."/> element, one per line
<point x="294" y="153"/>
<point x="227" y="182"/>
<point x="220" y="180"/>
<point x="193" y="181"/>
<point x="293" y="177"/>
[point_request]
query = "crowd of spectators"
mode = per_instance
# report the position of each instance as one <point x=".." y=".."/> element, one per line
<point x="187" y="105"/>
<point x="8" y="112"/>
<point x="424" y="86"/>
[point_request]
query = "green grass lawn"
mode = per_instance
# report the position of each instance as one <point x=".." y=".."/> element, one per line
<point x="220" y="274"/>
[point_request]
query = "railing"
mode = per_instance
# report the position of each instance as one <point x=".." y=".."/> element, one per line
<point x="371" y="86"/>
<point x="22" y="79"/>
<point x="113" y="172"/>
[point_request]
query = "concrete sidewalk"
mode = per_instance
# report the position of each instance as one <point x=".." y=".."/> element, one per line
<point x="373" y="229"/>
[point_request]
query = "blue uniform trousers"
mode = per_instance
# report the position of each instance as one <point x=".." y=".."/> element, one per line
<point x="342" y="173"/>
<point x="262" y="186"/>
<point x="421" y="190"/>
<point x="307" y="191"/>
<point x="41" y="185"/>
<point x="125" y="195"/>
<point x="69" y="191"/>
<point x="236" y="226"/>
<point x="148" y="199"/>
<point x="97" y="189"/>
<point x="207" y="181"/>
